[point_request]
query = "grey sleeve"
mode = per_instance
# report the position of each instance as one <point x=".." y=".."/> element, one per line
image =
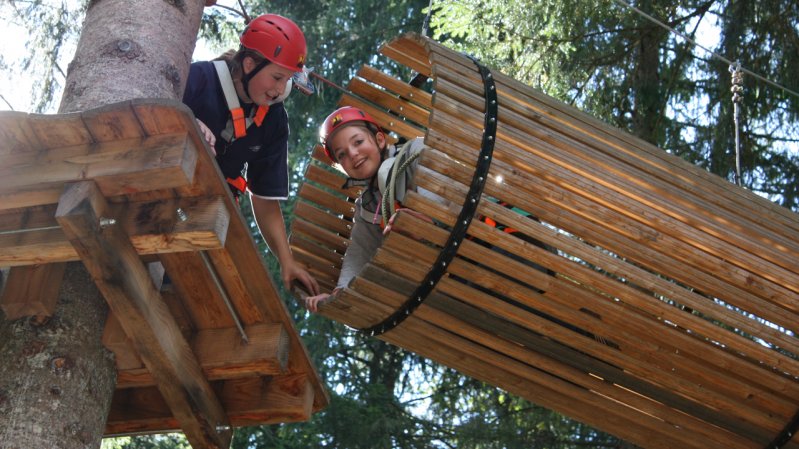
<point x="365" y="239"/>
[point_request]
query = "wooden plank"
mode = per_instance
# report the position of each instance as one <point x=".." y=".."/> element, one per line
<point x="222" y="354"/>
<point x="759" y="406"/>
<point x="126" y="286"/>
<point x="392" y="103"/>
<point x="523" y="380"/>
<point x="387" y="121"/>
<point x="118" y="168"/>
<point x="619" y="317"/>
<point x="404" y="90"/>
<point x="331" y="180"/>
<point x="116" y="340"/>
<point x="662" y="205"/>
<point x="194" y="285"/>
<point x="452" y="186"/>
<point x="410" y="52"/>
<point x="438" y="309"/>
<point x="59" y="131"/>
<point x="32" y="236"/>
<point x="329" y="257"/>
<point x="525" y="100"/>
<point x="648" y="247"/>
<point x="312" y="232"/>
<point x="623" y="291"/>
<point x="32" y="291"/>
<point x="324" y="199"/>
<point x="16" y="135"/>
<point x="250" y="401"/>
<point x="317" y="216"/>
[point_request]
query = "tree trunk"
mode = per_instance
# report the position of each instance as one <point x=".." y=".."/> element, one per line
<point x="56" y="378"/>
<point x="648" y="101"/>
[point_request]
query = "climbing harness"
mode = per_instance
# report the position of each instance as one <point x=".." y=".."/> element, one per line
<point x="237" y="126"/>
<point x="465" y="216"/>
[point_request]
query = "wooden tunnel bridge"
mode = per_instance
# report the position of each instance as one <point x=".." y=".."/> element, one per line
<point x="131" y="190"/>
<point x="666" y="312"/>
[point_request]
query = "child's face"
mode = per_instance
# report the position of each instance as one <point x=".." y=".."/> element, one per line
<point x="269" y="83"/>
<point x="357" y="150"/>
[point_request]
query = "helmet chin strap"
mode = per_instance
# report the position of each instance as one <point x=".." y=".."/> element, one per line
<point x="245" y="79"/>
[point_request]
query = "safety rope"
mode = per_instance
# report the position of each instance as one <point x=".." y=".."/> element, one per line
<point x="737" y="95"/>
<point x="465" y="216"/>
<point x="390" y="196"/>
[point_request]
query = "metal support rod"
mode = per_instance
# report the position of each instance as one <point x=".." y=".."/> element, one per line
<point x="225" y="296"/>
<point x="22" y="231"/>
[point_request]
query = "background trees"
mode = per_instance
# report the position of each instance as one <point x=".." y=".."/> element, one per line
<point x="600" y="55"/>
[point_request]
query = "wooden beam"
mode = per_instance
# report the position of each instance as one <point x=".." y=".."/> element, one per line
<point x="250" y="401"/>
<point x="126" y="285"/>
<point x="223" y="355"/>
<point x="32" y="291"/>
<point x="121" y="167"/>
<point x="32" y="235"/>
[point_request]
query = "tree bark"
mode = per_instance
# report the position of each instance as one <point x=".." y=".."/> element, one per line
<point x="56" y="378"/>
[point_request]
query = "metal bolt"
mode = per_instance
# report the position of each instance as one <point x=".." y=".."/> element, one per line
<point x="106" y="222"/>
<point x="182" y="215"/>
<point x="221" y="428"/>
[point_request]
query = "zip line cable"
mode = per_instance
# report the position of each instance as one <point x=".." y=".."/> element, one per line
<point x="695" y="43"/>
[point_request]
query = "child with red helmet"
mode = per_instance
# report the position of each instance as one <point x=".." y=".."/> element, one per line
<point x="354" y="140"/>
<point x="238" y="103"/>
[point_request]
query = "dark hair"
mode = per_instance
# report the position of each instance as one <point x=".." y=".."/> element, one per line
<point x="235" y="60"/>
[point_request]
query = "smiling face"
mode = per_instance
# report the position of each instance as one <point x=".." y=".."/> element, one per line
<point x="269" y="83"/>
<point x="357" y="150"/>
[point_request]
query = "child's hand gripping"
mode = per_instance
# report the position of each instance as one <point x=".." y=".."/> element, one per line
<point x="312" y="302"/>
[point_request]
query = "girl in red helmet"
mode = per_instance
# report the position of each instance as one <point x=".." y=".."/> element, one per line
<point x="238" y="102"/>
<point x="353" y="140"/>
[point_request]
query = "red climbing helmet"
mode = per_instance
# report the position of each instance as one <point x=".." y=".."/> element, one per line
<point x="337" y="119"/>
<point x="278" y="39"/>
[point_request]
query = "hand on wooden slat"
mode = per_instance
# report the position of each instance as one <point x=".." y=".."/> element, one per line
<point x="312" y="302"/>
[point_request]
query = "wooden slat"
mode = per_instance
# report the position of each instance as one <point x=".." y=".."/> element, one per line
<point x="409" y="52"/>
<point x="444" y="186"/>
<point x="118" y="168"/>
<point x="312" y="232"/>
<point x="126" y="286"/>
<point x="729" y="394"/>
<point x="249" y="401"/>
<point x="387" y="121"/>
<point x="396" y="105"/>
<point x="721" y="274"/>
<point x="223" y="355"/>
<point x="317" y="216"/>
<point x="438" y="310"/>
<point x="32" y="236"/>
<point x="323" y="198"/>
<point x="331" y="180"/>
<point x="571" y="121"/>
<point x="664" y="203"/>
<point x="31" y="291"/>
<point x="406" y="91"/>
<point x="518" y="378"/>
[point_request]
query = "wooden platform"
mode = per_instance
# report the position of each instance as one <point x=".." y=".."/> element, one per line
<point x="661" y="305"/>
<point x="131" y="190"/>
